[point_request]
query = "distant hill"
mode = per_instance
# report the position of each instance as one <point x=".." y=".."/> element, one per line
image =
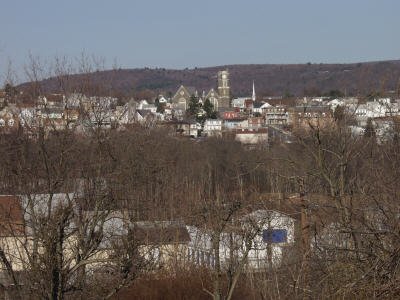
<point x="270" y="79"/>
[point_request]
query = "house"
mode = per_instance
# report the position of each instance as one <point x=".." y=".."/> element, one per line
<point x="236" y="123"/>
<point x="275" y="115"/>
<point x="159" y="244"/>
<point x="308" y="116"/>
<point x="377" y="108"/>
<point x="247" y="104"/>
<point x="51" y="112"/>
<point x="145" y="116"/>
<point x="239" y="103"/>
<point x="271" y="233"/>
<point x="227" y="115"/>
<point x="99" y="117"/>
<point x="178" y="113"/>
<point x="51" y="101"/>
<point x="264" y="106"/>
<point x="126" y="114"/>
<point x="252" y="136"/>
<point x="335" y="103"/>
<point x="276" y="232"/>
<point x="163" y="243"/>
<point x="74" y="100"/>
<point x="212" y="127"/>
<point x="150" y="107"/>
<point x="256" y="122"/>
<point x="385" y="127"/>
<point x="17" y="214"/>
<point x="187" y="128"/>
<point x="258" y="106"/>
<point x="12" y="240"/>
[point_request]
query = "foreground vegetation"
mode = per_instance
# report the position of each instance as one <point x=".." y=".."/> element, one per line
<point x="348" y="211"/>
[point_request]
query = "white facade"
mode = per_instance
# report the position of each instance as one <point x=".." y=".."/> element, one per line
<point x="236" y="123"/>
<point x="212" y="126"/>
<point x="239" y="102"/>
<point x="375" y="109"/>
<point x="260" y="226"/>
<point x="250" y="137"/>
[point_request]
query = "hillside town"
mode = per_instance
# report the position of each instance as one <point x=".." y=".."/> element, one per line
<point x="191" y="113"/>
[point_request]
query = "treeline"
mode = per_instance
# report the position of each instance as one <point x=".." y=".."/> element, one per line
<point x="271" y="80"/>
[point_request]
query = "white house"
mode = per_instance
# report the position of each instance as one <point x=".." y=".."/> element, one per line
<point x="212" y="127"/>
<point x="271" y="232"/>
<point x="236" y="123"/>
<point x="252" y="137"/>
<point x="373" y="109"/>
<point x="335" y="103"/>
<point x="126" y="114"/>
<point x="239" y="102"/>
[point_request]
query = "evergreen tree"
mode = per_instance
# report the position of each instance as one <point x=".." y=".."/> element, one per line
<point x="332" y="94"/>
<point x="209" y="109"/>
<point x="194" y="106"/>
<point x="160" y="107"/>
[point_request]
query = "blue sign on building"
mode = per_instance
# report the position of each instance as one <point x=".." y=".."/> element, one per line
<point x="275" y="236"/>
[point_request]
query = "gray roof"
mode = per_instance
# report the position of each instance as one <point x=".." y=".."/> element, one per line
<point x="257" y="104"/>
<point x="144" y="112"/>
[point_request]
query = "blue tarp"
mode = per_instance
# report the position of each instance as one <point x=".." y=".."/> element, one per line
<point x="275" y="236"/>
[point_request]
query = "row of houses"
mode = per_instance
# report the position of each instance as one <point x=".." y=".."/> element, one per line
<point x="262" y="238"/>
<point x="163" y="243"/>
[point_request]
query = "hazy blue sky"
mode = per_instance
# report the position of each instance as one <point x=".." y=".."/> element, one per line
<point x="185" y="33"/>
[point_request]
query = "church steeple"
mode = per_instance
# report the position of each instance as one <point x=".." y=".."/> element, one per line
<point x="253" y="97"/>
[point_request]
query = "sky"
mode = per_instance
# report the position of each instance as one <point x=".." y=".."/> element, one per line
<point x="186" y="33"/>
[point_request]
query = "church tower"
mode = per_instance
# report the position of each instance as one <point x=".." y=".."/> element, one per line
<point x="253" y="96"/>
<point x="223" y="89"/>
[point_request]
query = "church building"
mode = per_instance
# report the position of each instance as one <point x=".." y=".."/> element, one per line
<point x="219" y="98"/>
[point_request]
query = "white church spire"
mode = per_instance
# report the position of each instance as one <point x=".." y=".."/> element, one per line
<point x="253" y="97"/>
